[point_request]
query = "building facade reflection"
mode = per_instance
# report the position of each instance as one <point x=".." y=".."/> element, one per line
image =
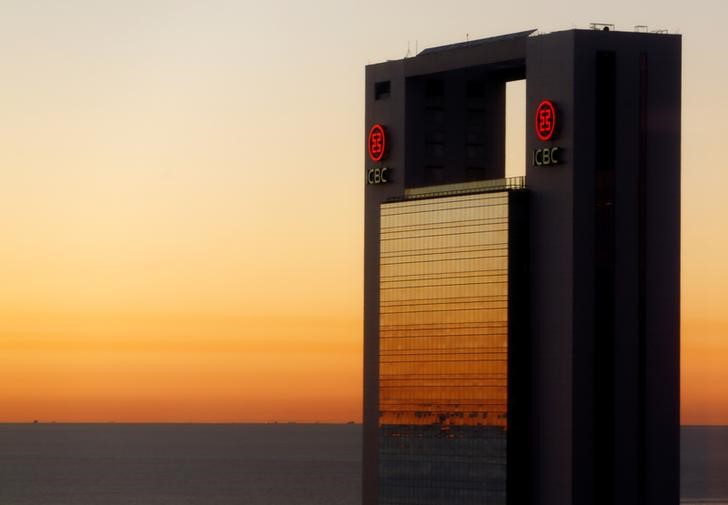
<point x="443" y="350"/>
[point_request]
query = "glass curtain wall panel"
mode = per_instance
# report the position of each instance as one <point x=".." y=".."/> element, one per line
<point x="443" y="343"/>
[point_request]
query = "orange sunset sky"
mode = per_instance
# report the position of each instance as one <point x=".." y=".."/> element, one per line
<point x="181" y="207"/>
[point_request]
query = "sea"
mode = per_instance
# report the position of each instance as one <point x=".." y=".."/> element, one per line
<point x="237" y="464"/>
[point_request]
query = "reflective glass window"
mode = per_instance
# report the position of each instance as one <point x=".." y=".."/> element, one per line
<point x="443" y="346"/>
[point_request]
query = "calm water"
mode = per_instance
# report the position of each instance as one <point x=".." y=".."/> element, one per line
<point x="704" y="463"/>
<point x="284" y="464"/>
<point x="117" y="464"/>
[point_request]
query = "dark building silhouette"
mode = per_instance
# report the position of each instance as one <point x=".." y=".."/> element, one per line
<point x="522" y="335"/>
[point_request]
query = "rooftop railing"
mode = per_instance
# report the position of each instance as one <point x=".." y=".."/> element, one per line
<point x="463" y="188"/>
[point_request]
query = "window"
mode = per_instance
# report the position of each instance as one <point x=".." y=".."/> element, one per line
<point x="381" y="90"/>
<point x="444" y="350"/>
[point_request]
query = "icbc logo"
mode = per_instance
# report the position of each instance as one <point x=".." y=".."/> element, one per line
<point x="545" y="120"/>
<point x="377" y="142"/>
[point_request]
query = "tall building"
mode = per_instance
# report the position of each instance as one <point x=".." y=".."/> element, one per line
<point x="521" y="335"/>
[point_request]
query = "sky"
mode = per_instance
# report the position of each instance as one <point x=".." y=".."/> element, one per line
<point x="181" y="199"/>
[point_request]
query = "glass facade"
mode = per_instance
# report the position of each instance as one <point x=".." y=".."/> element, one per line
<point x="443" y="343"/>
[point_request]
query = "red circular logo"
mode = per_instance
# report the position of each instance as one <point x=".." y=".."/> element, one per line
<point x="377" y="142"/>
<point x="545" y="120"/>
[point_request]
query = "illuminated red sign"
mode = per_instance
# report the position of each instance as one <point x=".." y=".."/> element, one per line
<point x="377" y="142"/>
<point x="545" y="120"/>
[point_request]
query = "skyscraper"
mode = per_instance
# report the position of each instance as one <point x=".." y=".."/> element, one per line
<point x="522" y="335"/>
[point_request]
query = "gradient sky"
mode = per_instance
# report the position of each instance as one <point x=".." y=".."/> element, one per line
<point x="181" y="209"/>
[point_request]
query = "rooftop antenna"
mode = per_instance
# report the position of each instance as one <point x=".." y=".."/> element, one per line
<point x="467" y="37"/>
<point x="408" y="50"/>
<point x="417" y="51"/>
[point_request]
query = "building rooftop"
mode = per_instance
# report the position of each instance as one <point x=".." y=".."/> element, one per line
<point x="476" y="43"/>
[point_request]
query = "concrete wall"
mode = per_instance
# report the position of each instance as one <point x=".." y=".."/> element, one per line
<point x="606" y="387"/>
